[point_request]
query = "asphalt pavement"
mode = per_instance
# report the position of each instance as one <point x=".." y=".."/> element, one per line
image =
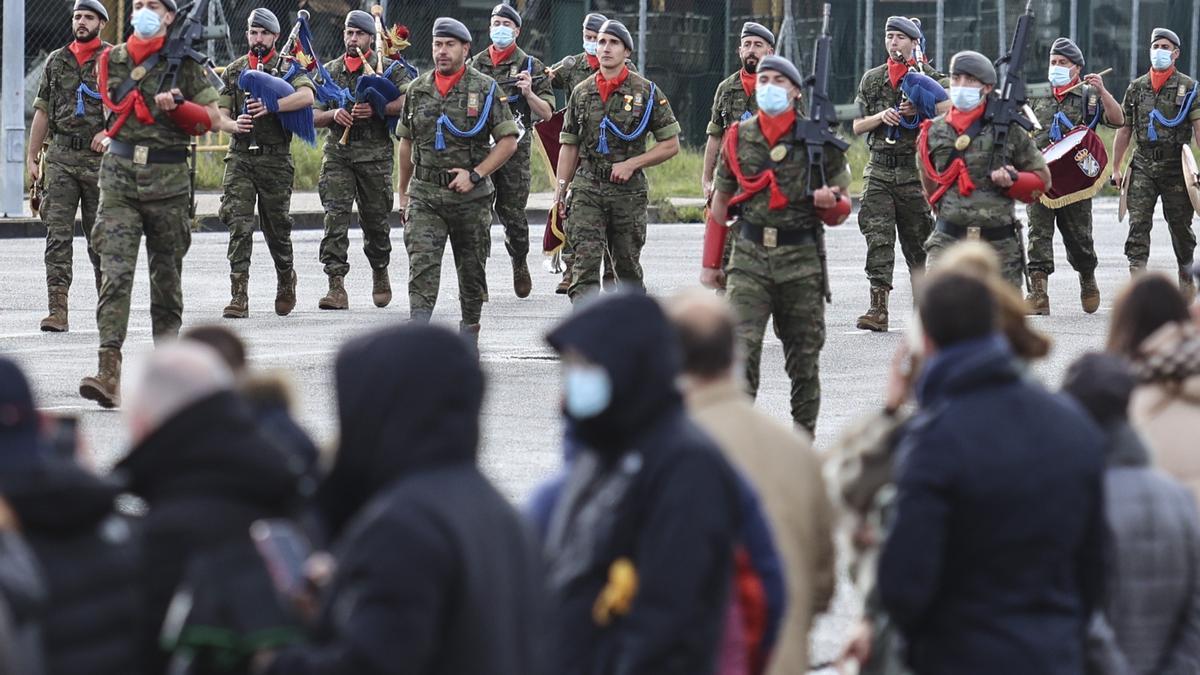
<point x="522" y="421"/>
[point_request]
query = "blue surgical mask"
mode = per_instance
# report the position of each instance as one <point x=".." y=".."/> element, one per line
<point x="502" y="36"/>
<point x="771" y="98"/>
<point x="1059" y="75"/>
<point x="590" y="47"/>
<point x="588" y="391"/>
<point x="145" y="22"/>
<point x="1160" y="58"/>
<point x="966" y="98"/>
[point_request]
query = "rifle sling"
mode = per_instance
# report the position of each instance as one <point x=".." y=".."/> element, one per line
<point x="127" y="86"/>
<point x="971" y="132"/>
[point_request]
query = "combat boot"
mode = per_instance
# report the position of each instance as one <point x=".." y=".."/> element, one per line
<point x="1089" y="292"/>
<point x="522" y="284"/>
<point x="336" y="297"/>
<point x="470" y="333"/>
<point x="104" y="388"/>
<point x="1187" y="285"/>
<point x="239" y="304"/>
<point x="1038" y="301"/>
<point x="57" y="321"/>
<point x="381" y="287"/>
<point x="565" y="284"/>
<point x="285" y="292"/>
<point x="876" y="318"/>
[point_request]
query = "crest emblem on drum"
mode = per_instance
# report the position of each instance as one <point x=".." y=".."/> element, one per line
<point x="1088" y="164"/>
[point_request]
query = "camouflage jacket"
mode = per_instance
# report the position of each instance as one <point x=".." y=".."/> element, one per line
<point x="1140" y="99"/>
<point x="463" y="105"/>
<point x="507" y="69"/>
<point x="625" y="108"/>
<point x="267" y="130"/>
<point x="1080" y="107"/>
<point x="163" y="133"/>
<point x="876" y="94"/>
<point x="369" y="138"/>
<point x="732" y="104"/>
<point x="987" y="206"/>
<point x="753" y="155"/>
<point x="57" y="96"/>
<point x="566" y="78"/>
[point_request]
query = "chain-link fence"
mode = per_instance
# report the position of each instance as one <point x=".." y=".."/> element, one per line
<point x="688" y="46"/>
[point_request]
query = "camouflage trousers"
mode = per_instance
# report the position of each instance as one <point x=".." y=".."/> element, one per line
<point x="72" y="181"/>
<point x="1012" y="257"/>
<point x="604" y="218"/>
<point x="889" y="210"/>
<point x="511" y="198"/>
<point x="1075" y="224"/>
<point x="433" y="217"/>
<point x="266" y="179"/>
<point x="783" y="284"/>
<point x="1144" y="190"/>
<point x="342" y="183"/>
<point x="153" y="199"/>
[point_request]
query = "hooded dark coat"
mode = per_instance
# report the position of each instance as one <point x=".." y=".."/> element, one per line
<point x="648" y="486"/>
<point x="436" y="572"/>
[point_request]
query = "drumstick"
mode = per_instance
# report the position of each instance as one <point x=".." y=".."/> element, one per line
<point x="1080" y="83"/>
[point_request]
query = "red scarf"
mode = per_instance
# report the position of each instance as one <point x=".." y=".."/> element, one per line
<point x="254" y="59"/>
<point x="751" y="185"/>
<point x="956" y="173"/>
<point x="134" y="102"/>
<point x="353" y="63"/>
<point x="84" y="50"/>
<point x="1061" y="92"/>
<point x="499" y="55"/>
<point x="748" y="81"/>
<point x="896" y="72"/>
<point x="445" y="83"/>
<point x="141" y="48"/>
<point x="606" y="86"/>
<point x="961" y="120"/>
<point x="1159" y="77"/>
<point x="773" y="127"/>
<point x="593" y="61"/>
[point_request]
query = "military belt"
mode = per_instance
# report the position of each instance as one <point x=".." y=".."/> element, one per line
<point x="439" y="177"/>
<point x="770" y="237"/>
<point x="72" y="142"/>
<point x="1160" y="152"/>
<point x="599" y="172"/>
<point x="276" y="149"/>
<point x="998" y="233"/>
<point x="890" y="161"/>
<point x="141" y="154"/>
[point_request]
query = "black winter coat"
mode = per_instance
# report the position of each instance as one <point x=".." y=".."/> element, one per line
<point x="90" y="562"/>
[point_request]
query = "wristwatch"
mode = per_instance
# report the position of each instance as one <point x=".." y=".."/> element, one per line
<point x="475" y="177"/>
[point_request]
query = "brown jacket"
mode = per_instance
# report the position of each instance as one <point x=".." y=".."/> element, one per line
<point x="782" y="467"/>
<point x="1167" y="411"/>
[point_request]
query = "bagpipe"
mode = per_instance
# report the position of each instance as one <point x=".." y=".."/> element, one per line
<point x="924" y="92"/>
<point x="374" y="87"/>
<point x="269" y="89"/>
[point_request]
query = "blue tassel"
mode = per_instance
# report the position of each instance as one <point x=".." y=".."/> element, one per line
<point x="439" y="139"/>
<point x="1151" y="132"/>
<point x="79" y="92"/>
<point x="602" y="146"/>
<point x="1060" y="120"/>
<point x="746" y="115"/>
<point x="1156" y="116"/>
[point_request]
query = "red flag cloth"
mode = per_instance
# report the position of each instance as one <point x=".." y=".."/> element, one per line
<point x="498" y="55"/>
<point x="606" y="86"/>
<point x="1159" y="77"/>
<point x="445" y="83"/>
<point x="133" y="102"/>
<point x="553" y="236"/>
<point x="84" y="50"/>
<point x="748" y="81"/>
<point x="750" y="185"/>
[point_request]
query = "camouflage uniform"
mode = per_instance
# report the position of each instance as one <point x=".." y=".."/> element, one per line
<point x="72" y="170"/>
<point x="892" y="201"/>
<point x="263" y="175"/>
<point x="512" y="179"/>
<point x="435" y="212"/>
<point x="784" y="281"/>
<point x="988" y="208"/>
<point x="1157" y="169"/>
<point x="601" y="210"/>
<point x="359" y="171"/>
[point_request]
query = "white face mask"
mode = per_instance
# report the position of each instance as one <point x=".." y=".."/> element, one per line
<point x="145" y="22"/>
<point x="966" y="98"/>
<point x="1059" y="75"/>
<point x="1160" y="58"/>
<point x="590" y="47"/>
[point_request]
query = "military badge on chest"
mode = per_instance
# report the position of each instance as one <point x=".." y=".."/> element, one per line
<point x="628" y="103"/>
<point x="473" y="104"/>
<point x="1180" y="92"/>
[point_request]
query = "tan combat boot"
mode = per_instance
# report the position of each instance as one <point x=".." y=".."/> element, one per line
<point x="239" y="303"/>
<point x="104" y="388"/>
<point x="285" y="292"/>
<point x="57" y="321"/>
<point x="522" y="283"/>
<point x="1187" y="285"/>
<point x="470" y="333"/>
<point x="1089" y="292"/>
<point x="336" y="297"/>
<point x="876" y="318"/>
<point x="565" y="284"/>
<point x="381" y="287"/>
<point x="1037" y="300"/>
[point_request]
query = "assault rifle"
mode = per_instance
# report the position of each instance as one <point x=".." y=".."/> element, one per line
<point x="816" y="131"/>
<point x="1011" y="106"/>
<point x="180" y="45"/>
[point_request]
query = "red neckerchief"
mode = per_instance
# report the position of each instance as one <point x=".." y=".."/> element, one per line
<point x="141" y="48"/>
<point x="606" y="86"/>
<point x="1159" y="77"/>
<point x="962" y="120"/>
<point x="896" y="72"/>
<point x="499" y="55"/>
<point x="751" y="185"/>
<point x="956" y="173"/>
<point x="593" y="61"/>
<point x="773" y="127"/>
<point x="445" y="83"/>
<point x="134" y="102"/>
<point x="1061" y="92"/>
<point x="353" y="63"/>
<point x="84" y="50"/>
<point x="254" y="59"/>
<point x="748" y="81"/>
